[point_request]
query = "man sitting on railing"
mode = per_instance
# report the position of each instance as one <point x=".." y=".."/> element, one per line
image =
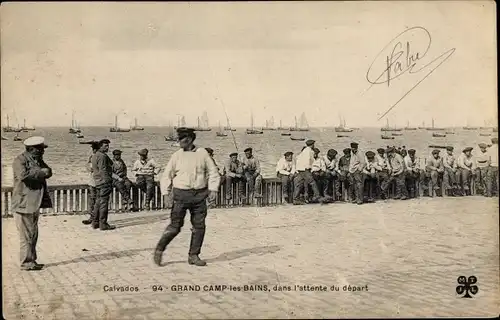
<point x="285" y="170"/>
<point x="397" y="173"/>
<point x="482" y="165"/>
<point x="251" y="170"/>
<point x="370" y="173"/>
<point x="492" y="177"/>
<point x="145" y="170"/>
<point x="451" y="173"/>
<point x="413" y="173"/>
<point x="121" y="182"/>
<point x="233" y="173"/>
<point x="332" y="173"/>
<point x="466" y="166"/>
<point x="356" y="165"/>
<point x="434" y="170"/>
<point x="318" y="170"/>
<point x="344" y="172"/>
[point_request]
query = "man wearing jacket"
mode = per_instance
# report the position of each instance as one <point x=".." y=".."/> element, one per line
<point x="92" y="189"/>
<point x="121" y="181"/>
<point x="102" y="170"/>
<point x="28" y="197"/>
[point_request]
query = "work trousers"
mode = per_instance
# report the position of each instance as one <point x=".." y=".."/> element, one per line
<point x="235" y="180"/>
<point x="345" y="182"/>
<point x="195" y="202"/>
<point x="254" y="183"/>
<point x="146" y="183"/>
<point x="286" y="184"/>
<point x="100" y="216"/>
<point x="450" y="178"/>
<point x="322" y="181"/>
<point x="92" y="200"/>
<point x="384" y="182"/>
<point x="411" y="179"/>
<point x="371" y="183"/>
<point x="27" y="226"/>
<point x="358" y="185"/>
<point x="434" y="176"/>
<point x="466" y="177"/>
<point x="481" y="174"/>
<point x="302" y="180"/>
<point x="124" y="187"/>
<point x="491" y="180"/>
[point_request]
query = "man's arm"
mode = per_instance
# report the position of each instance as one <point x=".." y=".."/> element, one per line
<point x="227" y="169"/>
<point x="156" y="168"/>
<point x="257" y="167"/>
<point x="213" y="174"/>
<point x="280" y="168"/>
<point x="20" y="170"/>
<point x="136" y="166"/>
<point x="168" y="175"/>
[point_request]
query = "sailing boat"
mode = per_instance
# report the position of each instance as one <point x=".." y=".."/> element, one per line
<point x="303" y="124"/>
<point x="467" y="127"/>
<point x="24" y="128"/>
<point x="252" y="130"/>
<point x="228" y="127"/>
<point x="408" y="128"/>
<point x="116" y="128"/>
<point x="434" y="128"/>
<point x="269" y="124"/>
<point x="74" y="129"/>
<point x="171" y="134"/>
<point x="342" y="127"/>
<point x="136" y="127"/>
<point x="8" y="128"/>
<point x="281" y="127"/>
<point x="423" y="125"/>
<point x="388" y="128"/>
<point x="17" y="138"/>
<point x="181" y="122"/>
<point x="203" y="125"/>
<point x="220" y="133"/>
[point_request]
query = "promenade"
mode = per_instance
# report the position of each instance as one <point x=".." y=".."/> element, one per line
<point x="403" y="256"/>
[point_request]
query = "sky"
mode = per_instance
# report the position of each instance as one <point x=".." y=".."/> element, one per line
<point x="156" y="61"/>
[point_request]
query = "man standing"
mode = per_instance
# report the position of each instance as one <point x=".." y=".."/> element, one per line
<point x="121" y="182"/>
<point x="397" y="166"/>
<point x="343" y="169"/>
<point x="29" y="195"/>
<point x="102" y="170"/>
<point x="304" y="176"/>
<point x="492" y="176"/>
<point x="482" y="166"/>
<point x="233" y="173"/>
<point x="251" y="171"/>
<point x="451" y="174"/>
<point x="285" y="170"/>
<point x="318" y="170"/>
<point x="145" y="170"/>
<point x="356" y="166"/>
<point x="92" y="189"/>
<point x="413" y="173"/>
<point x="191" y="176"/>
<point x="434" y="170"/>
<point x="466" y="166"/>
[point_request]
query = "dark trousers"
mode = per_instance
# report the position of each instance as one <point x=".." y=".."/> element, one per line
<point x="466" y="177"/>
<point x="27" y="226"/>
<point x="412" y="178"/>
<point x="358" y="184"/>
<point x="195" y="202"/>
<point x="302" y="180"/>
<point x="146" y="183"/>
<point x="491" y="180"/>
<point x="100" y="216"/>
<point x="451" y="178"/>
<point x="286" y="184"/>
<point x="124" y="187"/>
<point x="481" y="174"/>
<point x="345" y="182"/>
<point x="92" y="199"/>
<point x="371" y="183"/>
<point x="434" y="176"/>
<point x="322" y="182"/>
<point x="235" y="180"/>
<point x="254" y="183"/>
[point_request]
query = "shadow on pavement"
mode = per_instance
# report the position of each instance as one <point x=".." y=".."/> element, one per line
<point x="136" y="221"/>
<point x="101" y="257"/>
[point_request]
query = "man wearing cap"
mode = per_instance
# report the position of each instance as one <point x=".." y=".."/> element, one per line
<point x="29" y="195"/>
<point x="466" y="167"/>
<point x="318" y="171"/>
<point x="332" y="174"/>
<point x="343" y="168"/>
<point x="356" y="166"/>
<point x="370" y="174"/>
<point x="102" y="171"/>
<point x="451" y="173"/>
<point x="304" y="179"/>
<point x="191" y="176"/>
<point x="145" y="170"/>
<point x="482" y="165"/>
<point x="285" y="170"/>
<point x="121" y="182"/>
<point x="233" y="173"/>
<point x="492" y="176"/>
<point x="251" y="171"/>
<point x="434" y="170"/>
<point x="91" y="183"/>
<point x="397" y="173"/>
<point x="220" y="170"/>
<point x="413" y="173"/>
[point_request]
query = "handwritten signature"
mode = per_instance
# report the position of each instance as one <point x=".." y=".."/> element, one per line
<point x="404" y="54"/>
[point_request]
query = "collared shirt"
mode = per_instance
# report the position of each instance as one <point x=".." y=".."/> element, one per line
<point x="449" y="162"/>
<point x="371" y="166"/>
<point x="331" y="165"/>
<point x="120" y="168"/>
<point x="465" y="162"/>
<point x="433" y="163"/>
<point x="231" y="169"/>
<point x="482" y="159"/>
<point x="493" y="152"/>
<point x="344" y="163"/>
<point x="357" y="162"/>
<point x="285" y="167"/>
<point x="251" y="165"/>
<point x="318" y="165"/>
<point x="412" y="165"/>
<point x="382" y="161"/>
<point x="397" y="163"/>
<point x="102" y="168"/>
<point x="147" y="167"/>
<point x="304" y="159"/>
<point x="188" y="170"/>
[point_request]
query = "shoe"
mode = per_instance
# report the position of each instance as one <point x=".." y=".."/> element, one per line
<point x="359" y="202"/>
<point x="157" y="256"/>
<point x="403" y="198"/>
<point x="147" y="207"/>
<point x="195" y="260"/>
<point x="258" y="195"/>
<point x="34" y="267"/>
<point x="87" y="222"/>
<point x="39" y="265"/>
<point x="105" y="227"/>
<point x="95" y="225"/>
<point x="298" y="202"/>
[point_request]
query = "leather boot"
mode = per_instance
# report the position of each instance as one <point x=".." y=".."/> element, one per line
<point x="195" y="260"/>
<point x="165" y="239"/>
<point x="197" y="237"/>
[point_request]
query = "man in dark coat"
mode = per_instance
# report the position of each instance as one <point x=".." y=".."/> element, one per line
<point x="29" y="195"/>
<point x="102" y="170"/>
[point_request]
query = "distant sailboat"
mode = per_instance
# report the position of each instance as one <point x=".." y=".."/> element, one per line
<point x="73" y="129"/>
<point x="433" y="128"/>
<point x="171" y="136"/>
<point x="17" y="138"/>
<point x="8" y="128"/>
<point x="136" y="127"/>
<point x="396" y="134"/>
<point x="80" y="135"/>
<point x="438" y="135"/>
<point x="203" y="123"/>
<point x="26" y="128"/>
<point x="181" y="122"/>
<point x="297" y="139"/>
<point x="342" y="126"/>
<point x="386" y="137"/>
<point x="269" y="124"/>
<point x="252" y="130"/>
<point x="388" y="128"/>
<point x="302" y="125"/>
<point x="228" y="127"/>
<point x="220" y="132"/>
<point x="281" y="127"/>
<point x="408" y="128"/>
<point x="117" y="128"/>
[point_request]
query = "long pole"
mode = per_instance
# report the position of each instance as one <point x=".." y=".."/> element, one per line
<point x="227" y="117"/>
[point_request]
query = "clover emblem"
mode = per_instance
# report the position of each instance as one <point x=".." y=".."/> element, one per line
<point x="467" y="286"/>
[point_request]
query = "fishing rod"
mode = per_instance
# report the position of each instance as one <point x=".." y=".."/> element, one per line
<point x="227" y="117"/>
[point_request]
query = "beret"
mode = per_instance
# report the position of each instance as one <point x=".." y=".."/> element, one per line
<point x="370" y="154"/>
<point x="332" y="152"/>
<point x="482" y="145"/>
<point x="316" y="150"/>
<point x="184" y="132"/>
<point x="117" y="151"/>
<point x="143" y="152"/>
<point x="288" y="153"/>
<point x="467" y="149"/>
<point x="233" y="154"/>
<point x="103" y="141"/>
<point x="449" y="148"/>
<point x="435" y="151"/>
<point x="380" y="150"/>
<point x="248" y="150"/>
<point x="310" y="142"/>
<point x="35" y="141"/>
<point x="411" y="151"/>
<point x="354" y="145"/>
<point x="346" y="150"/>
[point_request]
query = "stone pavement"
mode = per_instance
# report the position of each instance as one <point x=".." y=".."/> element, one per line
<point x="408" y="254"/>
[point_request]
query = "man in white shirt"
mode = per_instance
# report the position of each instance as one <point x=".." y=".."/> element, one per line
<point x="191" y="176"/>
<point x="318" y="170"/>
<point x="482" y="166"/>
<point x="370" y="174"/>
<point x="466" y="166"/>
<point x="332" y="174"/>
<point x="303" y="166"/>
<point x="397" y="173"/>
<point x="451" y="173"/>
<point x="285" y="170"/>
<point x="233" y="175"/>
<point x="492" y="176"/>
<point x="413" y="173"/>
<point x="145" y="169"/>
<point x="356" y="165"/>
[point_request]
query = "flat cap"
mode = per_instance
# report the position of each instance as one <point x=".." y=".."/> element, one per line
<point x="435" y="151"/>
<point x="288" y="153"/>
<point x="494" y="140"/>
<point x="248" y="150"/>
<point x="483" y="145"/>
<point x="449" y="148"/>
<point x="380" y="150"/>
<point x="467" y="149"/>
<point x="210" y="151"/>
<point x="184" y="132"/>
<point x="35" y="141"/>
<point x="370" y="154"/>
<point x="104" y="141"/>
<point x="316" y="150"/>
<point x="346" y="151"/>
<point x="117" y="151"/>
<point x="143" y="152"/>
<point x="332" y="152"/>
<point x="390" y="149"/>
<point x="411" y="151"/>
<point x="354" y="145"/>
<point x="310" y="142"/>
<point x="234" y="154"/>
<point x="94" y="145"/>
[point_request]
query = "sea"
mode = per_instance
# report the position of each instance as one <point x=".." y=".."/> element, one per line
<point x="67" y="157"/>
